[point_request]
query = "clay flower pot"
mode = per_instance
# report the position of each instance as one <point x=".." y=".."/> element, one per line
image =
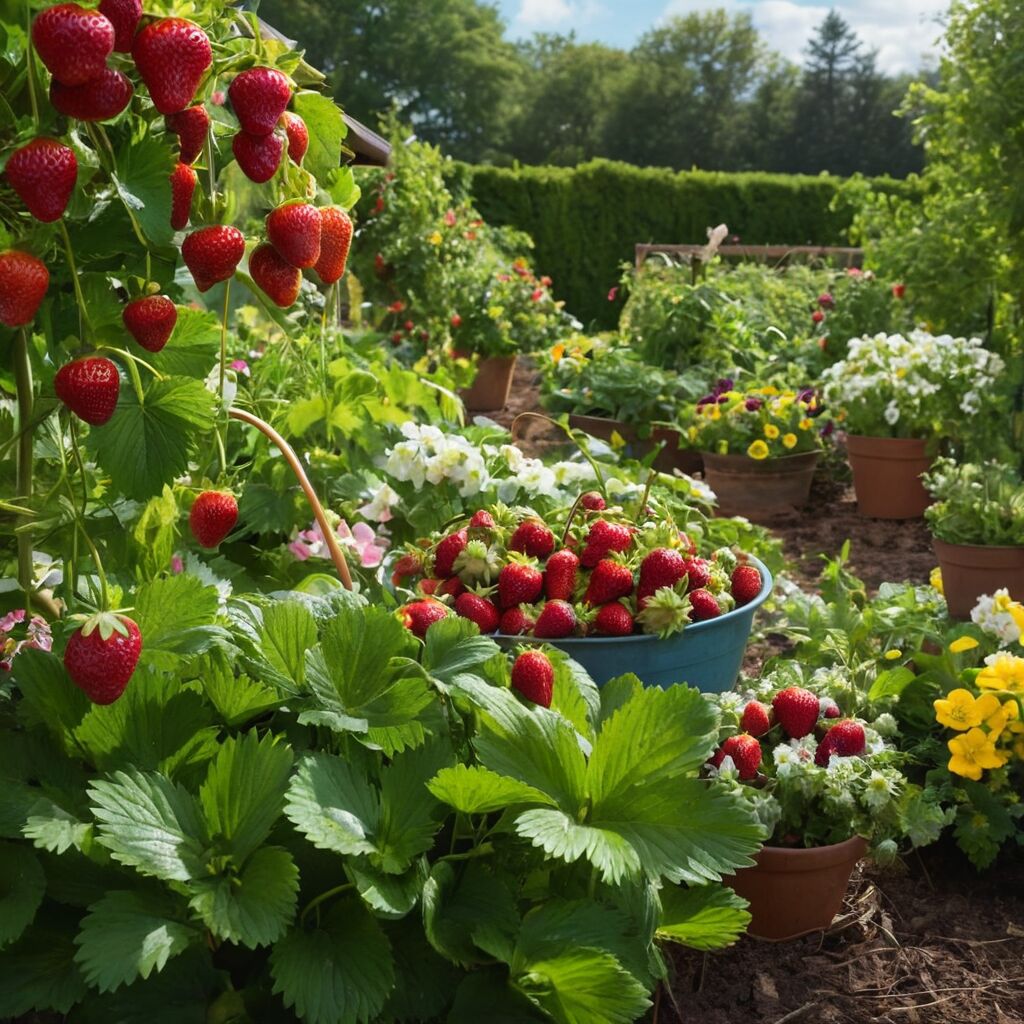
<point x="757" y="487"/>
<point x="490" y="389"/>
<point x="671" y="457"/>
<point x="887" y="476"/>
<point x="795" y="892"/>
<point x="970" y="570"/>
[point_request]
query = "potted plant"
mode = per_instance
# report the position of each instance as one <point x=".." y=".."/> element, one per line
<point x="898" y="396"/>
<point x="977" y="525"/>
<point x="824" y="784"/>
<point x="759" y="446"/>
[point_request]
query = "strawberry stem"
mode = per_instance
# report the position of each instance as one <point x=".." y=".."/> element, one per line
<point x="324" y="385"/>
<point x="210" y="173"/>
<point x="569" y="433"/>
<point x="83" y="313"/>
<point x="224" y="337"/>
<point x="23" y="381"/>
<point x="31" y="70"/>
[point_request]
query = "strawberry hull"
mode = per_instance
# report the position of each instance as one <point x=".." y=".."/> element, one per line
<point x="707" y="655"/>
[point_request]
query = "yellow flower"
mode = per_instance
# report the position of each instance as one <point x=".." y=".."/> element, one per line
<point x="771" y="431"/>
<point x="758" y="450"/>
<point x="935" y="579"/>
<point x="999" y="721"/>
<point x="1017" y="614"/>
<point x="495" y="312"/>
<point x="893" y="654"/>
<point x="806" y="424"/>
<point x="716" y="412"/>
<point x="962" y="710"/>
<point x="436" y="238"/>
<point x="1002" y="672"/>
<point x="692" y="433"/>
<point x="557" y="352"/>
<point x="785" y="402"/>
<point x="789" y="440"/>
<point x="972" y="753"/>
<point x="769" y="390"/>
<point x="963" y="643"/>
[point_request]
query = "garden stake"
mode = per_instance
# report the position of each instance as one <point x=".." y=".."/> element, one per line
<point x="23" y="380"/>
<point x="337" y="555"/>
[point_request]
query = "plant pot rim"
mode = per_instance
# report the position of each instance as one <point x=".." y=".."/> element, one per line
<point x="968" y="548"/>
<point x="774" y="460"/>
<point x="873" y="438"/>
<point x="810" y="858"/>
<point x="656" y="426"/>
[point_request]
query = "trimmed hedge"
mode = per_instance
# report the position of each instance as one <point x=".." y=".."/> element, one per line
<point x="585" y="220"/>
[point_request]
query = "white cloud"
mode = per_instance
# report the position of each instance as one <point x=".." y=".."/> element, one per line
<point x="903" y="33"/>
<point x="553" y="15"/>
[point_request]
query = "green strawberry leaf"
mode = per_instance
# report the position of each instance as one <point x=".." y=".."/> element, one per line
<point x="22" y="885"/>
<point x="424" y="982"/>
<point x="238" y="699"/>
<point x="487" y="995"/>
<point x="702" y="917"/>
<point x="39" y="971"/>
<point x="327" y="131"/>
<point x="454" y="646"/>
<point x="52" y="828"/>
<point x="473" y="789"/>
<point x="194" y="347"/>
<point x="142" y="181"/>
<point x="49" y="694"/>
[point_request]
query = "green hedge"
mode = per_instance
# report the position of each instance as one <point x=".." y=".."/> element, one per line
<point x="586" y="220"/>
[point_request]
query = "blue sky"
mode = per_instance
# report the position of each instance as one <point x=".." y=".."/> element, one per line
<point x="903" y="31"/>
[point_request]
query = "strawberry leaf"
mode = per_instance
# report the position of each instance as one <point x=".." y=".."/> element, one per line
<point x="326" y="133"/>
<point x="238" y="699"/>
<point x="22" y="884"/>
<point x="454" y="646"/>
<point x="488" y="995"/>
<point x="39" y="972"/>
<point x="473" y="789"/>
<point x="193" y="348"/>
<point x="141" y="180"/>
<point x="702" y="917"/>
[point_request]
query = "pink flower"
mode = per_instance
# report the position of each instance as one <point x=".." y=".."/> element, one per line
<point x="241" y="366"/>
<point x="613" y="293"/>
<point x="449" y="218"/>
<point x="12" y="619"/>
<point x="177" y="564"/>
<point x="362" y="538"/>
<point x="308" y="544"/>
<point x="853" y="272"/>
<point x="537" y="294"/>
<point x="37" y="636"/>
<point x="217" y="98"/>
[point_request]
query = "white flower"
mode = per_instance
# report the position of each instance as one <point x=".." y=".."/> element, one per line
<point x="731" y="701"/>
<point x="992" y="614"/>
<point x="892" y="412"/>
<point x="879" y="791"/>
<point x="212" y="383"/>
<point x="727" y="769"/>
<point x="378" y="508"/>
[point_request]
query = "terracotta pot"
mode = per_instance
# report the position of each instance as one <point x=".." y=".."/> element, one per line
<point x="671" y="457"/>
<point x="796" y="892"/>
<point x="490" y="389"/>
<point x="759" y="487"/>
<point x="887" y="476"/>
<point x="970" y="570"/>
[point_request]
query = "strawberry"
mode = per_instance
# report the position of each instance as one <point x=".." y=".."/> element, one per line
<point x="532" y="538"/>
<point x="698" y="574"/>
<point x="294" y="231"/>
<point x="899" y="290"/>
<point x="557" y="619"/>
<point x="43" y="173"/>
<point x="756" y="718"/>
<point x="482" y="520"/>
<point x="447" y="550"/>
<point x="99" y="99"/>
<point x="279" y="280"/>
<point x="212" y="254"/>
<point x="517" y="621"/>
<point x="703" y="605"/>
<point x="519" y="582"/>
<point x="662" y="567"/>
<point x="172" y="56"/>
<point x="664" y="613"/>
<point x="826" y="748"/>
<point x="613" y="619"/>
<point x="593" y="502"/>
<point x="335" y="240"/>
<point x="603" y="539"/>
<point x="451" y="587"/>
<point x="259" y="156"/>
<point x="89" y="388"/>
<point x="796" y="710"/>
<point x="124" y="15"/>
<point x="101" y="656"/>
<point x="212" y="517"/>
<point x="183" y="186"/>
<point x="745" y="752"/>
<point x="828" y="708"/>
<point x="847" y="738"/>
<point x="192" y="126"/>
<point x="150" y="320"/>
<point x="560" y="575"/>
<point x="298" y="135"/>
<point x="408" y="565"/>
<point x="429" y="586"/>
<point x="419" y="616"/>
<point x="534" y="677"/>
<point x="23" y="283"/>
<point x="609" y="581"/>
<point x="478" y="562"/>
<point x="73" y="43"/>
<point x="745" y="584"/>
<point x="479" y="610"/>
<point x="259" y="97"/>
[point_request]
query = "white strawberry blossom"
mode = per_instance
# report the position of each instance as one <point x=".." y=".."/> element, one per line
<point x="993" y="614"/>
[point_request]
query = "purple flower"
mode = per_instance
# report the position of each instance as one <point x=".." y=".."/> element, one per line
<point x="724" y="384"/>
<point x="826" y="301"/>
<point x="828" y="429"/>
<point x="753" y="404"/>
<point x="707" y="400"/>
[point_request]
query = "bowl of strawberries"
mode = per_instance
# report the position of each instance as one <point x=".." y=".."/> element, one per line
<point x="618" y="593"/>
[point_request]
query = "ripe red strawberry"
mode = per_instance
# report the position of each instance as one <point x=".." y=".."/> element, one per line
<point x="124" y="15"/>
<point x="101" y="656"/>
<point x="479" y="610"/>
<point x="557" y="619"/>
<point x="298" y="135"/>
<point x="482" y="520"/>
<point x="796" y="710"/>
<point x="212" y="254"/>
<point x="829" y="708"/>
<point x="429" y="586"/>
<point x="23" y="283"/>
<point x="899" y="290"/>
<point x="447" y="550"/>
<point x="150" y="320"/>
<point x="534" y="677"/>
<point x="89" y="387"/>
<point x="212" y="517"/>
<point x="517" y="621"/>
<point x="698" y="574"/>
<point x="847" y="738"/>
<point x="663" y="567"/>
<point x="609" y="581"/>
<point x="335" y="240"/>
<point x="259" y="156"/>
<point x="603" y="539"/>
<point x="43" y="173"/>
<point x="183" y="187"/>
<point x="519" y="583"/>
<point x="73" y="42"/>
<point x="593" y="502"/>
<point x="419" y="616"/>
<point x="451" y="587"/>
<point x="756" y="718"/>
<point x="172" y="56"/>
<point x="532" y="538"/>
<point x="746" y="584"/>
<point x="294" y="231"/>
<point x="408" y="565"/>
<point x="613" y="619"/>
<point x="703" y="606"/>
<point x="192" y="126"/>
<point x="560" y="575"/>
<point x="259" y="97"/>
<point x="745" y="752"/>
<point x="279" y="280"/>
<point x="99" y="99"/>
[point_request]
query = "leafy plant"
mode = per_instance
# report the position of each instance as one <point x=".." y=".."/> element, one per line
<point x="975" y="504"/>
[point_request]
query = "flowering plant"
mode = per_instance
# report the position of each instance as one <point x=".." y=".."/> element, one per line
<point x="975" y="504"/>
<point x="921" y="386"/>
<point x="1000" y="616"/>
<point x="761" y="422"/>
